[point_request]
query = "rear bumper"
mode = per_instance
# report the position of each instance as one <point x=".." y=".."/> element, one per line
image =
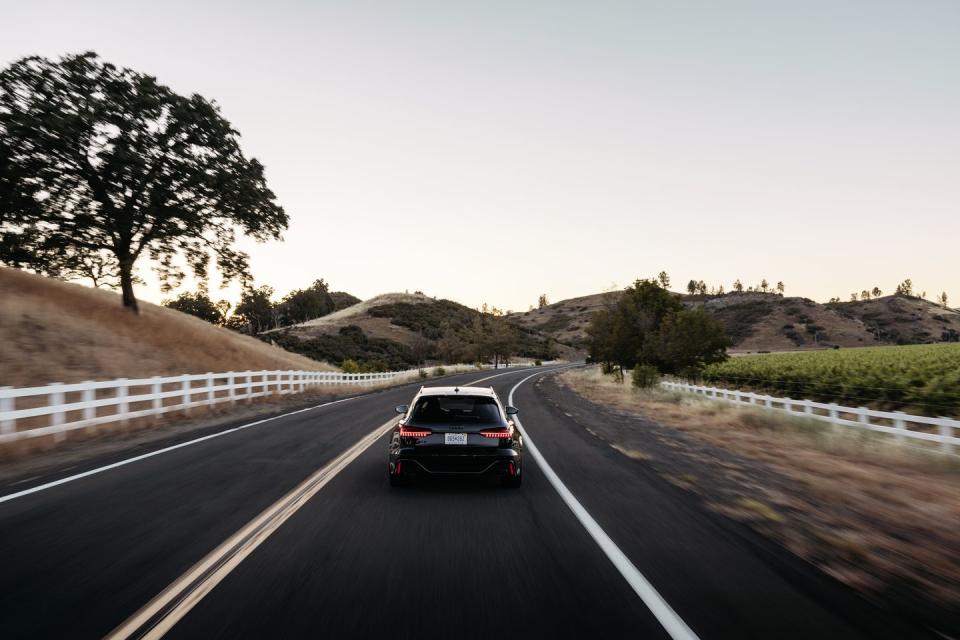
<point x="445" y="462"/>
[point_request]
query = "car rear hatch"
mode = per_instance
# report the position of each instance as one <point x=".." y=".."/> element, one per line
<point x="464" y="422"/>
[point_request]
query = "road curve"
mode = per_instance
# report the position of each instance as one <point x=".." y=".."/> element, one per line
<point x="357" y="559"/>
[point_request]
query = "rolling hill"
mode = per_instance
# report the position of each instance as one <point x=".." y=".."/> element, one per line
<point x="770" y="322"/>
<point x="395" y="330"/>
<point x="53" y="331"/>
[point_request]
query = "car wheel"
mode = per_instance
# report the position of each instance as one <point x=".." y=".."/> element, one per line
<point x="512" y="482"/>
<point x="397" y="481"/>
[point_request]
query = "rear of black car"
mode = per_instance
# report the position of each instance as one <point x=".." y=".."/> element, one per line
<point x="457" y="434"/>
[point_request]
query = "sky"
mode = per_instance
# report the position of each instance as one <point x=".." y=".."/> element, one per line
<point x="494" y="151"/>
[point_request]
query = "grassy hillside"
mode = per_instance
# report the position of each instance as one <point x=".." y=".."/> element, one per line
<point x="903" y="320"/>
<point x="770" y="322"/>
<point x="396" y="329"/>
<point x="52" y="331"/>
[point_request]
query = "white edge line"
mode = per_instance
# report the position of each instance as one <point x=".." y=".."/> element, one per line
<point x="121" y="463"/>
<point x="672" y="623"/>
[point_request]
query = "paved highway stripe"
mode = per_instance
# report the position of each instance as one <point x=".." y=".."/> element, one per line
<point x="160" y="614"/>
<point x="672" y="623"/>
<point x="164" y="611"/>
<point x="121" y="463"/>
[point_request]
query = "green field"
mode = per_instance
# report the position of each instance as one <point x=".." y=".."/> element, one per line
<point x="919" y="378"/>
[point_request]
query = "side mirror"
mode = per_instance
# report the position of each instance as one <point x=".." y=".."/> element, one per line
<point x="512" y="411"/>
<point x="401" y="408"/>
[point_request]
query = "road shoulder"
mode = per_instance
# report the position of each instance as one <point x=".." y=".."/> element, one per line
<point x="826" y="521"/>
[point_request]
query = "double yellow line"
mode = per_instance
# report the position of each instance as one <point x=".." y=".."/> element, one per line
<point x="159" y="615"/>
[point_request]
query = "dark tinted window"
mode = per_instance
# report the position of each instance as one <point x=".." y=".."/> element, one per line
<point x="455" y="409"/>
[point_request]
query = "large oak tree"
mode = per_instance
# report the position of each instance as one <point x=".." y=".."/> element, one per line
<point x="104" y="164"/>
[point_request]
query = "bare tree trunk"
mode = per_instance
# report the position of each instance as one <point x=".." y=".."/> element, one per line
<point x="126" y="285"/>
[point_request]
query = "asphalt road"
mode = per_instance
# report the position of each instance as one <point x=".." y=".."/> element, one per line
<point x="435" y="560"/>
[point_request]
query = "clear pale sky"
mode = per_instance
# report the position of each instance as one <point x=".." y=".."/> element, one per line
<point x="491" y="151"/>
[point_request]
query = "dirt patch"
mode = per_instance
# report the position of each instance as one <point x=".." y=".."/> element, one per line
<point x="879" y="517"/>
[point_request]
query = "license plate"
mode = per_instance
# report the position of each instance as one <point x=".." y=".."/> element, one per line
<point x="454" y="438"/>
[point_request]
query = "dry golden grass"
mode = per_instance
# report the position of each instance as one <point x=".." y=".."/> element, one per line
<point x="870" y="510"/>
<point x="52" y="331"/>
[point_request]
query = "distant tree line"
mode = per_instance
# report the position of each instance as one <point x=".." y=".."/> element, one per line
<point x="904" y="288"/>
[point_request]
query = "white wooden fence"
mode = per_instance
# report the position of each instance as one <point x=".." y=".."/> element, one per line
<point x="56" y="408"/>
<point x="902" y="426"/>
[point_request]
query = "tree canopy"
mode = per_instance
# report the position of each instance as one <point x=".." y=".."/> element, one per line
<point x="648" y="325"/>
<point x="103" y="165"/>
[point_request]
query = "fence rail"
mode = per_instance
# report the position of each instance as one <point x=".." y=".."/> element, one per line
<point x="902" y="426"/>
<point x="55" y="409"/>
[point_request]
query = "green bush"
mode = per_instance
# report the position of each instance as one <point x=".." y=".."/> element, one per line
<point x="439" y="371"/>
<point x="350" y="366"/>
<point x="424" y="374"/>
<point x="644" y="376"/>
<point x="537" y="363"/>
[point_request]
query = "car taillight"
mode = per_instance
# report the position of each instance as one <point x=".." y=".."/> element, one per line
<point x="498" y="433"/>
<point x="413" y="432"/>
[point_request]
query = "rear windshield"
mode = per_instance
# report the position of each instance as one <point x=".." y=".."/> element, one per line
<point x="455" y="409"/>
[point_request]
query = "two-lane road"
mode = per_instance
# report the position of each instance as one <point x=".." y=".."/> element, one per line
<point x="358" y="559"/>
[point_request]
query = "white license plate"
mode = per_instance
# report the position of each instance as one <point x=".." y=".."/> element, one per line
<point x="454" y="438"/>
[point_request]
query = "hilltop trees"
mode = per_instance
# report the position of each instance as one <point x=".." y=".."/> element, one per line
<point x="905" y="288"/>
<point x="104" y="164"/>
<point x="255" y="312"/>
<point x="648" y="325"/>
<point x="301" y="305"/>
<point x="200" y="305"/>
<point x="664" y="279"/>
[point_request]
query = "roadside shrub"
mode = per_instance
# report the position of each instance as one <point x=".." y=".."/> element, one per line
<point x="424" y="374"/>
<point x="439" y="371"/>
<point x="607" y="368"/>
<point x="350" y="366"/>
<point x="537" y="363"/>
<point x="644" y="376"/>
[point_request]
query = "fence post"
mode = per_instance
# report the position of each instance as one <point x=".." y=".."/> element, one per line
<point x="768" y="401"/>
<point x="807" y="407"/>
<point x="231" y="389"/>
<point x="862" y="416"/>
<point x="55" y="399"/>
<point x="210" y="392"/>
<point x="88" y="395"/>
<point x="7" y="425"/>
<point x="123" y="407"/>
<point x="156" y="388"/>
<point x="946" y="431"/>
<point x="788" y="405"/>
<point x="249" y="375"/>
<point x="185" y="391"/>
<point x="900" y="425"/>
